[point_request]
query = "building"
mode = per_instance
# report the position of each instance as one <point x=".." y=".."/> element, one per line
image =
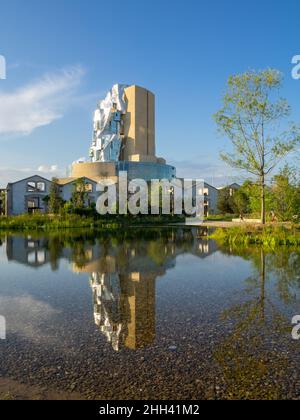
<point x="124" y="138"/>
<point x="211" y="195"/>
<point x="27" y="195"/>
<point x="123" y="141"/>
<point x="68" y="185"/>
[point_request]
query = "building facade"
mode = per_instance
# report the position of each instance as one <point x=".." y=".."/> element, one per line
<point x="211" y="195"/>
<point x="27" y="195"/>
<point x="124" y="138"/>
<point x="123" y="141"/>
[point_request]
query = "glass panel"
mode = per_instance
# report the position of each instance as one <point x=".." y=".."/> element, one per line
<point x="31" y="258"/>
<point x="31" y="186"/>
<point x="41" y="186"/>
<point x="31" y="204"/>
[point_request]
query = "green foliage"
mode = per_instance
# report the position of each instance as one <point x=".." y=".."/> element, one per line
<point x="43" y="222"/>
<point x="240" y="202"/>
<point x="286" y="195"/>
<point x="269" y="236"/>
<point x="225" y="202"/>
<point x="252" y="191"/>
<point x="233" y="201"/>
<point x="249" y="119"/>
<point x="220" y="217"/>
<point x="2" y="202"/>
<point x="55" y="202"/>
<point x="67" y="208"/>
<point x="80" y="194"/>
<point x="75" y="221"/>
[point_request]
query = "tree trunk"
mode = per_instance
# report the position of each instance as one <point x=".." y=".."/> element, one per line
<point x="262" y="282"/>
<point x="263" y="201"/>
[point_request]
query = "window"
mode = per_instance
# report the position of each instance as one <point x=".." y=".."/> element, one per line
<point x="89" y="187"/>
<point x="31" y="257"/>
<point x="36" y="186"/>
<point x="36" y="257"/>
<point x="40" y="186"/>
<point x="31" y="186"/>
<point x="41" y="257"/>
<point x="31" y="204"/>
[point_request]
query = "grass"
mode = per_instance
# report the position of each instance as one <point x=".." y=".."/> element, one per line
<point x="6" y="397"/>
<point x="49" y="223"/>
<point x="44" y="222"/>
<point x="221" y="218"/>
<point x="270" y="236"/>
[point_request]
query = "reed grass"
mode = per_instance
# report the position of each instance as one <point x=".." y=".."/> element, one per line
<point x="270" y="236"/>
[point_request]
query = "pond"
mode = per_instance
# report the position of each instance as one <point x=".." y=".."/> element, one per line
<point x="147" y="314"/>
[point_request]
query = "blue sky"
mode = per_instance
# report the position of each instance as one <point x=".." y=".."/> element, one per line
<point x="63" y="55"/>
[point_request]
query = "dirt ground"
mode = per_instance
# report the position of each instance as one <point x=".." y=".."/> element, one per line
<point x="12" y="390"/>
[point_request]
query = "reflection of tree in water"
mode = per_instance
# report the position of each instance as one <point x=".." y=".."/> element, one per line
<point x="286" y="267"/>
<point x="158" y="244"/>
<point x="252" y="366"/>
<point x="123" y="267"/>
<point x="55" y="248"/>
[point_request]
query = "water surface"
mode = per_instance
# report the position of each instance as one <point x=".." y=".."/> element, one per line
<point x="152" y="314"/>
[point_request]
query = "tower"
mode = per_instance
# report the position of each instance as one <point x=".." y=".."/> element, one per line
<point x="139" y="126"/>
<point x="124" y="138"/>
<point x="124" y="126"/>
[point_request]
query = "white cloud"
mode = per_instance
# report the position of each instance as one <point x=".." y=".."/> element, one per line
<point x="50" y="169"/>
<point x="215" y="173"/>
<point x="80" y="160"/>
<point x="11" y="175"/>
<point x="39" y="103"/>
<point x="24" y="316"/>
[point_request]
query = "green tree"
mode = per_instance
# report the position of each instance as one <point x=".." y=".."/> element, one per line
<point x="225" y="201"/>
<point x="286" y="194"/>
<point x="79" y="195"/>
<point x="233" y="201"/>
<point x="2" y="203"/>
<point x="249" y="118"/>
<point x="240" y="202"/>
<point x="252" y="191"/>
<point x="54" y="200"/>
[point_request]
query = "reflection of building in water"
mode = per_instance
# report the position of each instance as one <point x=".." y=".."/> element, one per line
<point x="122" y="275"/>
<point x="107" y="306"/>
<point x="27" y="250"/>
<point x="124" y="308"/>
<point x="36" y="252"/>
<point x="123" y="284"/>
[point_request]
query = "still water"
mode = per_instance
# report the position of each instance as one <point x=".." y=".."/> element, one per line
<point x="152" y="314"/>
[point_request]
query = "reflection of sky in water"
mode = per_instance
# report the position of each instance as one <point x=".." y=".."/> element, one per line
<point x="32" y="294"/>
<point x="110" y="297"/>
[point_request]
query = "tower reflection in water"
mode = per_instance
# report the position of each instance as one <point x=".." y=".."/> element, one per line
<point x="124" y="308"/>
<point x="122" y="274"/>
